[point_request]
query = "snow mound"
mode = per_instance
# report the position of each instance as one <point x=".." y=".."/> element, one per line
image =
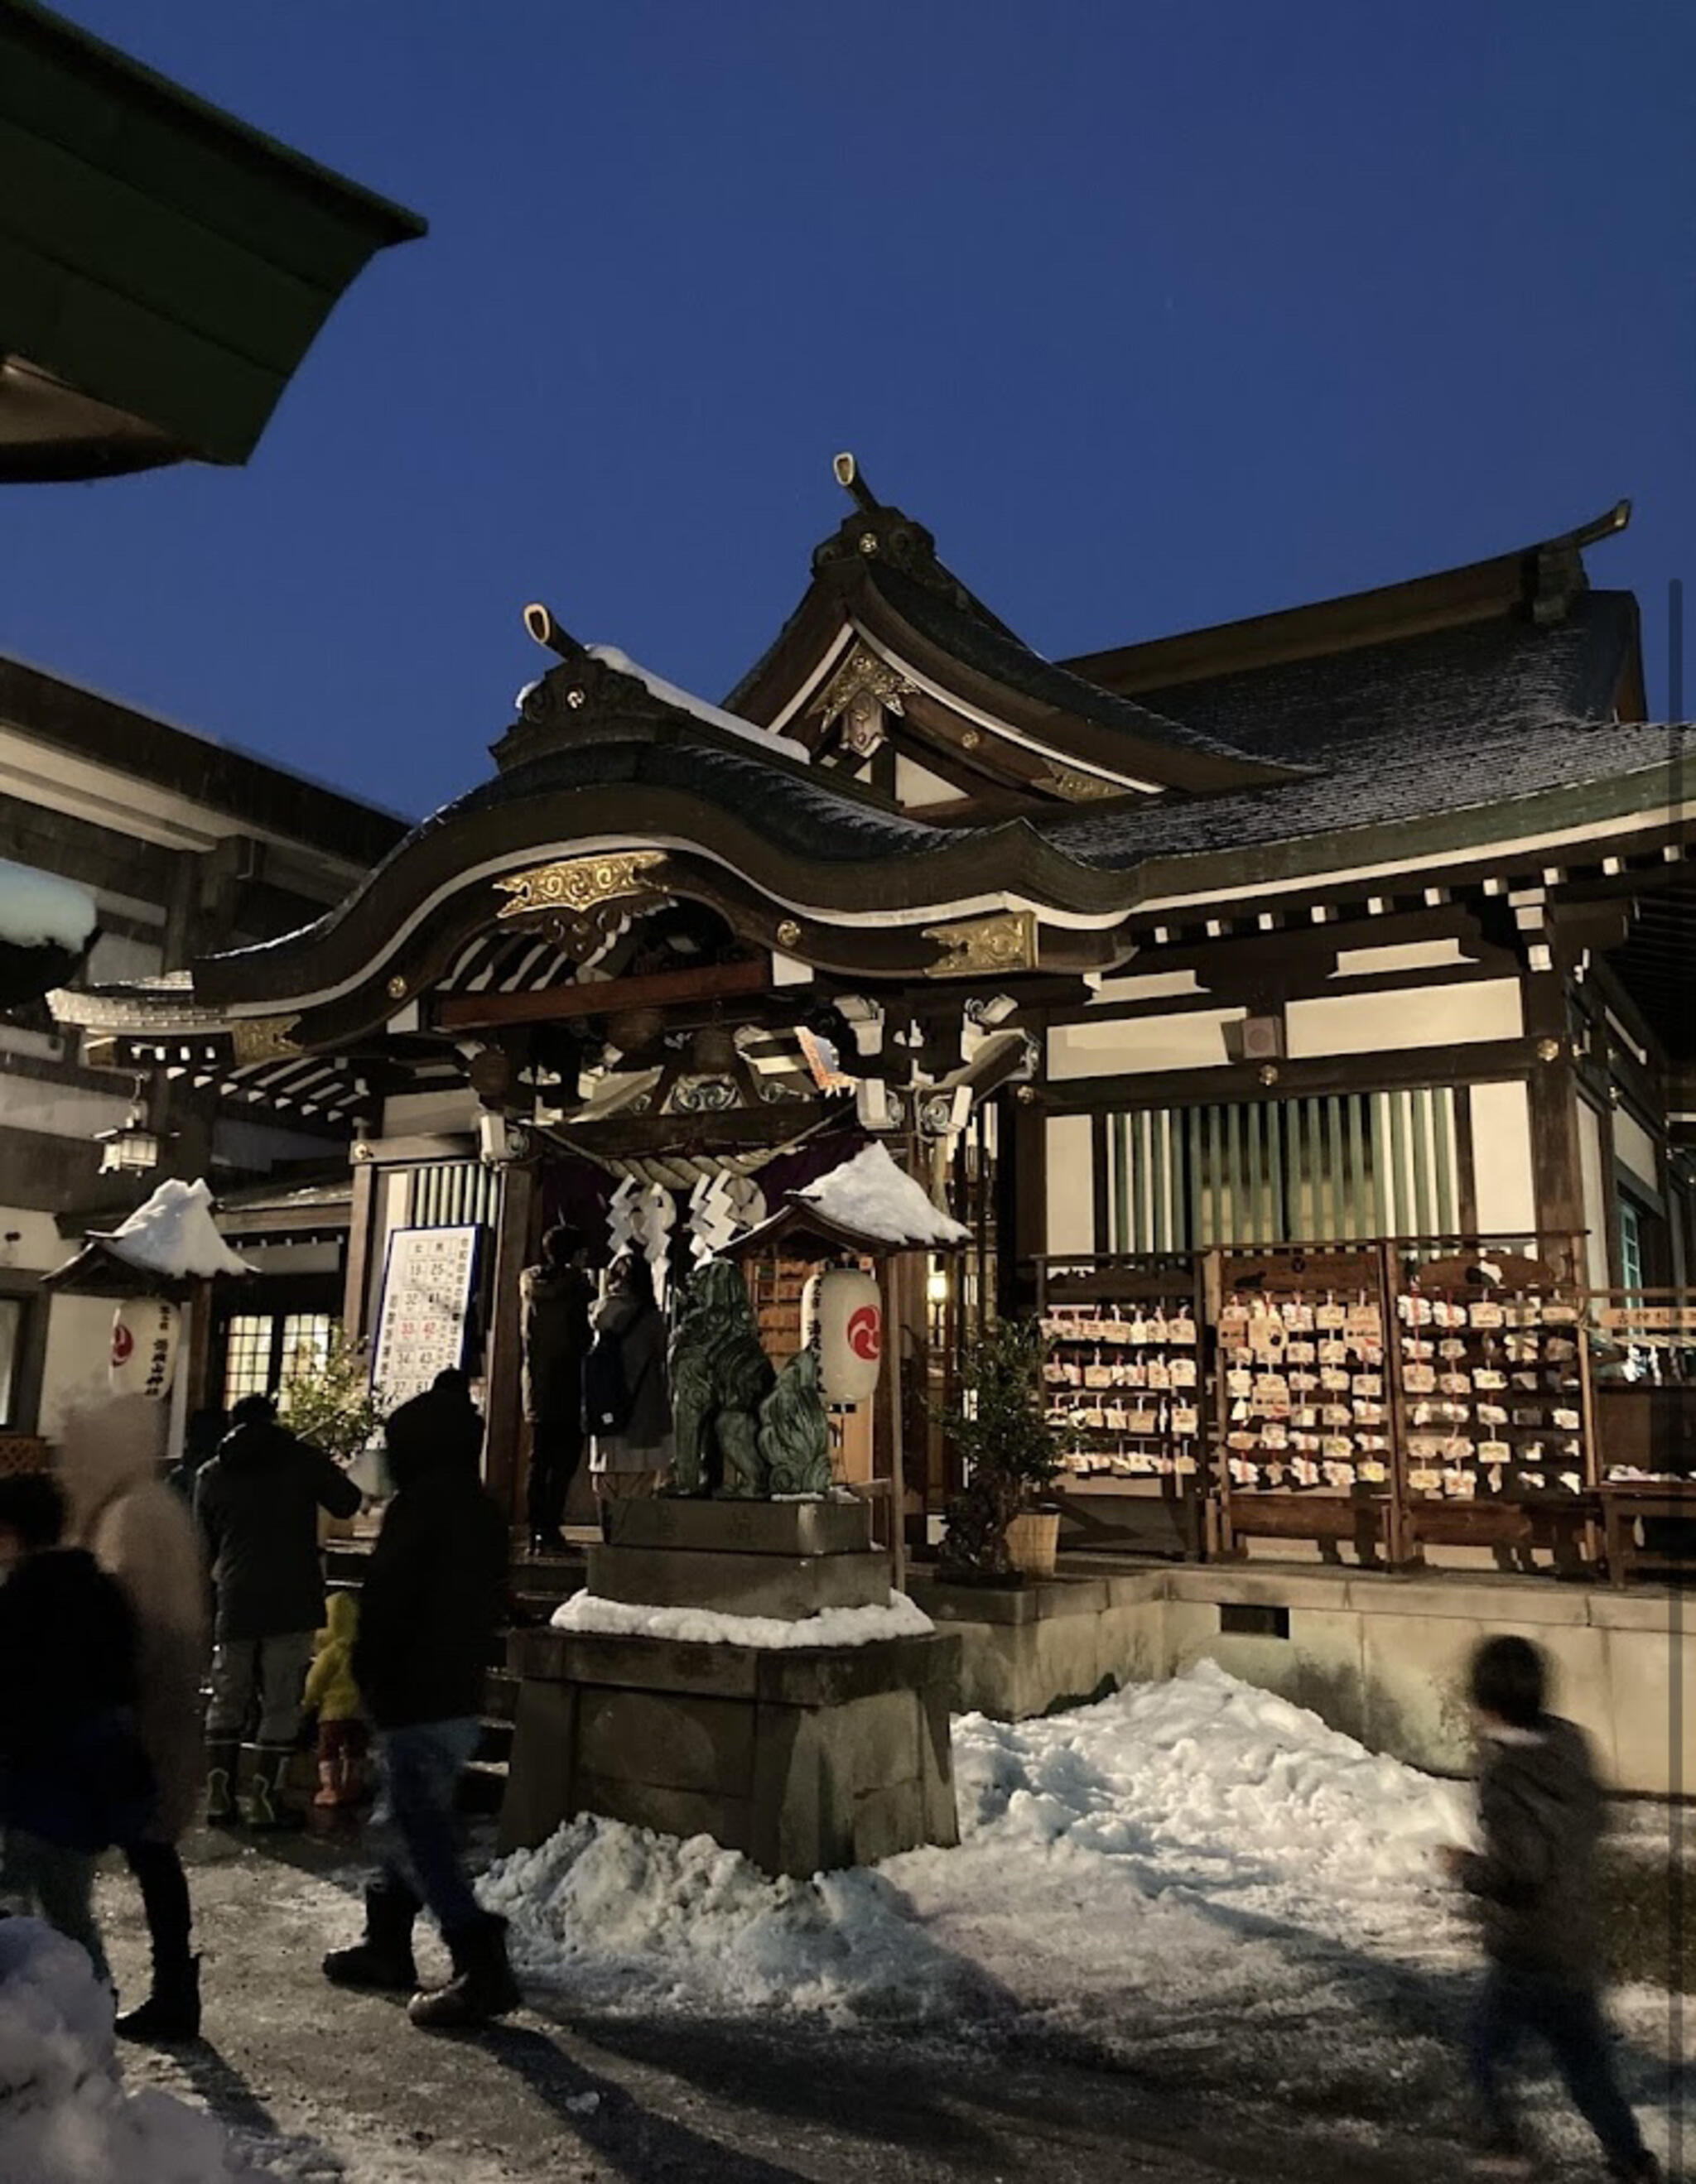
<point x="699" y="1626"/>
<point x="174" y="1234"/>
<point x="631" y="1922"/>
<point x="39" y="910"/>
<point x="870" y="1196"/>
<point x="64" y="2118"/>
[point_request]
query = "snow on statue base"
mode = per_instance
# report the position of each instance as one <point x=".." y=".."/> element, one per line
<point x="806" y="1757"/>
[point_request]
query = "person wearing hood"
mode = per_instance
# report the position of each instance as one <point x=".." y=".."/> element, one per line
<point x="555" y="1297"/>
<point x="627" y="1399"/>
<point x="139" y="1531"/>
<point x="431" y="1605"/>
<point x="257" y="1505"/>
<point x="1540" y="1817"/>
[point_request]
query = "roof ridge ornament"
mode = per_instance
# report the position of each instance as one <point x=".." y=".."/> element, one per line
<point x="582" y="698"/>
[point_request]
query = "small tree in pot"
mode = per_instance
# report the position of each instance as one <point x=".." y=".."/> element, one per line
<point x="1011" y="1453"/>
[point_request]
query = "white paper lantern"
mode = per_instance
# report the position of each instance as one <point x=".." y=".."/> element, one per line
<point x="144" y="1339"/>
<point x="842" y="1317"/>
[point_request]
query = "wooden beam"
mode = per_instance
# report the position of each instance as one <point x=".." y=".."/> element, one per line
<point x="735" y="1129"/>
<point x="357" y="1265"/>
<point x="521" y="1201"/>
<point x="560" y="1004"/>
<point x="1468" y="1062"/>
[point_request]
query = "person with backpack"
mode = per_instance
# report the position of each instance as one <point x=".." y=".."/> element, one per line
<point x="257" y="1505"/>
<point x="431" y="1605"/>
<point x="555" y="1297"/>
<point x="627" y="1391"/>
<point x="1540" y="1816"/>
<point x="73" y="1775"/>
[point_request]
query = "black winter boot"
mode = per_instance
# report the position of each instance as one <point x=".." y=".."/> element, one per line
<point x="221" y="1757"/>
<point x="171" y="2012"/>
<point x="483" y="1986"/>
<point x="383" y="1957"/>
<point x="267" y="1807"/>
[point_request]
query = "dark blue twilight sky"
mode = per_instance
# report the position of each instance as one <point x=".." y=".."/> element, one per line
<point x="1158" y="312"/>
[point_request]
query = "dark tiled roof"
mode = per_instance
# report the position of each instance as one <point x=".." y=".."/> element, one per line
<point x="978" y="640"/>
<point x="1507" y="672"/>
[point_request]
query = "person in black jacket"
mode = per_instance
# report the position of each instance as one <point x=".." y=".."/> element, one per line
<point x="555" y="1297"/>
<point x="72" y="1776"/>
<point x="257" y="1505"/>
<point x="430" y="1606"/>
<point x="1541" y="1815"/>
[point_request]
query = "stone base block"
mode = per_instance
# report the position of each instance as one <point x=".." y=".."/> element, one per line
<point x="787" y="1587"/>
<point x="757" y="1528"/>
<point x="805" y="1760"/>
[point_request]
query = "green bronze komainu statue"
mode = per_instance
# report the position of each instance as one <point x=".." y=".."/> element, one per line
<point x="794" y="1435"/>
<point x="720" y="1378"/>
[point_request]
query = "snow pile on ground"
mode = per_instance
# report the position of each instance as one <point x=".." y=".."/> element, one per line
<point x="700" y="1626"/>
<point x="870" y="1196"/>
<point x="39" y="910"/>
<point x="64" y="2118"/>
<point x="174" y="1234"/>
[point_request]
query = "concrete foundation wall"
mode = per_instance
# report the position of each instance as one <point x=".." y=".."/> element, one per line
<point x="1380" y="1657"/>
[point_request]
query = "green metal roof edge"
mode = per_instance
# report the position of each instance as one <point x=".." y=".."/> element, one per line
<point x="385" y="213"/>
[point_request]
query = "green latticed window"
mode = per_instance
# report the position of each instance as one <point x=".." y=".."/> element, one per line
<point x="1335" y="1170"/>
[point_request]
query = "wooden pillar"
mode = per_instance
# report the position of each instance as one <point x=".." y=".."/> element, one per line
<point x="894" y="1268"/>
<point x="503" y="1408"/>
<point x="1022" y="1198"/>
<point x="361" y="1236"/>
<point x="1557" y="1164"/>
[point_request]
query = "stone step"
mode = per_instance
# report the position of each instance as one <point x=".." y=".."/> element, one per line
<point x="786" y="1586"/>
<point x="734" y="1527"/>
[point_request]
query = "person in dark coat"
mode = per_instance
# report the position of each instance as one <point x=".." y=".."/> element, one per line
<point x="431" y="1605"/>
<point x="257" y="1505"/>
<point x="1540" y="1816"/>
<point x="72" y="1774"/>
<point x="556" y="1297"/>
<point x="630" y="1462"/>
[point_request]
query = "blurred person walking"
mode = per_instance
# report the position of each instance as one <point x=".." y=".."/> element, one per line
<point x="138" y="1529"/>
<point x="257" y="1504"/>
<point x="626" y="1389"/>
<point x="556" y="1297"/>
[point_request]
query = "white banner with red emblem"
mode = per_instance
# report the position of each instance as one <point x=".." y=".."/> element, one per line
<point x="144" y="1340"/>
<point x="842" y="1317"/>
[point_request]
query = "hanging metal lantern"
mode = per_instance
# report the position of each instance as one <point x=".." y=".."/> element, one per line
<point x="133" y="1148"/>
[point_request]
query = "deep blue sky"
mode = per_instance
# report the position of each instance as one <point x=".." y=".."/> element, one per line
<point x="1158" y="312"/>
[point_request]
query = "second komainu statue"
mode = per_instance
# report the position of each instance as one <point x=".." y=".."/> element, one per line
<point x="741" y="1430"/>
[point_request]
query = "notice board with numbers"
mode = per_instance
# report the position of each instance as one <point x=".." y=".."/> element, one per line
<point x="427" y="1280"/>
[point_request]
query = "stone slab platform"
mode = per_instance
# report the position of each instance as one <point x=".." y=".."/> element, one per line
<point x="786" y="1586"/>
<point x="806" y="1760"/>
<point x="757" y="1528"/>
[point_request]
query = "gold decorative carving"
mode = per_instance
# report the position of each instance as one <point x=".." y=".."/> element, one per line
<point x="788" y="934"/>
<point x="397" y="987"/>
<point x="263" y="1038"/>
<point x="1076" y="788"/>
<point x="862" y="675"/>
<point x="970" y="740"/>
<point x="580" y="884"/>
<point x="1005" y="942"/>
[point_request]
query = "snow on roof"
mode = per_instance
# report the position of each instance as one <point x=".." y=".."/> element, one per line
<point x="174" y="1234"/>
<point x="715" y="716"/>
<point x="39" y="910"/>
<point x="870" y="1196"/>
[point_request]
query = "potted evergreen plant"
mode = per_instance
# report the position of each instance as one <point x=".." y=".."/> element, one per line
<point x="997" y="1531"/>
<point x="328" y="1400"/>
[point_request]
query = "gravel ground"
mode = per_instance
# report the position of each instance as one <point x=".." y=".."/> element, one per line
<point x="325" y="2087"/>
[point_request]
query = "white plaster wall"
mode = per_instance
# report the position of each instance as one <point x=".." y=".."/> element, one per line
<point x="1502" y="1169"/>
<point x="1146" y="986"/>
<point x="917" y="784"/>
<point x="38" y="1243"/>
<point x="1634" y="1151"/>
<point x="1409" y="1016"/>
<point x="1598" y="1201"/>
<point x="78" y="1355"/>
<point x="431" y="1114"/>
<point x="1194" y="1039"/>
<point x="1399" y="955"/>
<point x="59" y="1110"/>
<point x="324" y="1258"/>
<point x="1071" y="1184"/>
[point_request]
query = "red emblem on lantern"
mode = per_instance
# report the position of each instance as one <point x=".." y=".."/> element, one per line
<point x="123" y="1344"/>
<point x="865" y="1332"/>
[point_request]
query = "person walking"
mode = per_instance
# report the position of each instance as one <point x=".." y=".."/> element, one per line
<point x="139" y="1531"/>
<point x="432" y="1604"/>
<point x="257" y="1505"/>
<point x="556" y="1297"/>
<point x="627" y="1401"/>
<point x="1540" y="1817"/>
<point x="334" y="1696"/>
<point x="72" y="1774"/>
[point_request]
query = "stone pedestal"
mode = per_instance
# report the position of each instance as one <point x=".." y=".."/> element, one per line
<point x="806" y="1759"/>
